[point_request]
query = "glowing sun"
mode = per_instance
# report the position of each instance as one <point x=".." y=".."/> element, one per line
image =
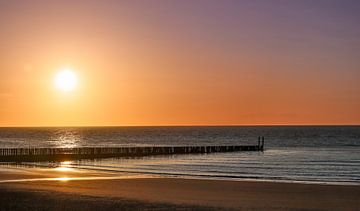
<point x="66" y="80"/>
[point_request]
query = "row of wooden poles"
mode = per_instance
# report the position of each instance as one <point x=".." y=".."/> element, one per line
<point x="49" y="154"/>
<point x="124" y="150"/>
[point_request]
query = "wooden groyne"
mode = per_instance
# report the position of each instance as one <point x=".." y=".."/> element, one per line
<point x="65" y="154"/>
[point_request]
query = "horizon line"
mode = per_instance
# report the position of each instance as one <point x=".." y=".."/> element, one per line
<point x="182" y="125"/>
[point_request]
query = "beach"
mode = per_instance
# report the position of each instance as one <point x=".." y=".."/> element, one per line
<point x="173" y="193"/>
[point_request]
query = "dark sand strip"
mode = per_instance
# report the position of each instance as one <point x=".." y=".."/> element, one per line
<point x="15" y="200"/>
<point x="209" y="193"/>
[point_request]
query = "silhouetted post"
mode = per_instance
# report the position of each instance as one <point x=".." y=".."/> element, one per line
<point x="259" y="143"/>
<point x="262" y="144"/>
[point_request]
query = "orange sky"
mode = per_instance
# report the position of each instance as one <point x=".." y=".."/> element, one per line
<point x="178" y="64"/>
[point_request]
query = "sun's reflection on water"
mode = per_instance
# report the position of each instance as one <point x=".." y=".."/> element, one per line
<point x="64" y="167"/>
<point x="67" y="138"/>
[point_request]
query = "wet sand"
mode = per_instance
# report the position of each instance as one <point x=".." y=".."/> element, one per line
<point x="172" y="193"/>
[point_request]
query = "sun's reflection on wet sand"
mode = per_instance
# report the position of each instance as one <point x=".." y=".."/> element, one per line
<point x="61" y="172"/>
<point x="65" y="179"/>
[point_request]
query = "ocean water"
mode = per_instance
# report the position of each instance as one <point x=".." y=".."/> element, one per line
<point x="311" y="154"/>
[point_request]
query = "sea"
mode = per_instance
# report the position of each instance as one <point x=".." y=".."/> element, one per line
<point x="300" y="154"/>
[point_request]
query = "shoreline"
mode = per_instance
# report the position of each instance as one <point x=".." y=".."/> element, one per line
<point x="203" y="193"/>
<point x="98" y="178"/>
<point x="10" y="174"/>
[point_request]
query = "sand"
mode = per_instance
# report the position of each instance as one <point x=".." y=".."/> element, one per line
<point x="173" y="193"/>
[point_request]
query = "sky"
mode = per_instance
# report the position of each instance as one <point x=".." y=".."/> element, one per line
<point x="201" y="62"/>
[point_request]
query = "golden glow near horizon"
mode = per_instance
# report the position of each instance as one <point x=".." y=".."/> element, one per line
<point x="66" y="80"/>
